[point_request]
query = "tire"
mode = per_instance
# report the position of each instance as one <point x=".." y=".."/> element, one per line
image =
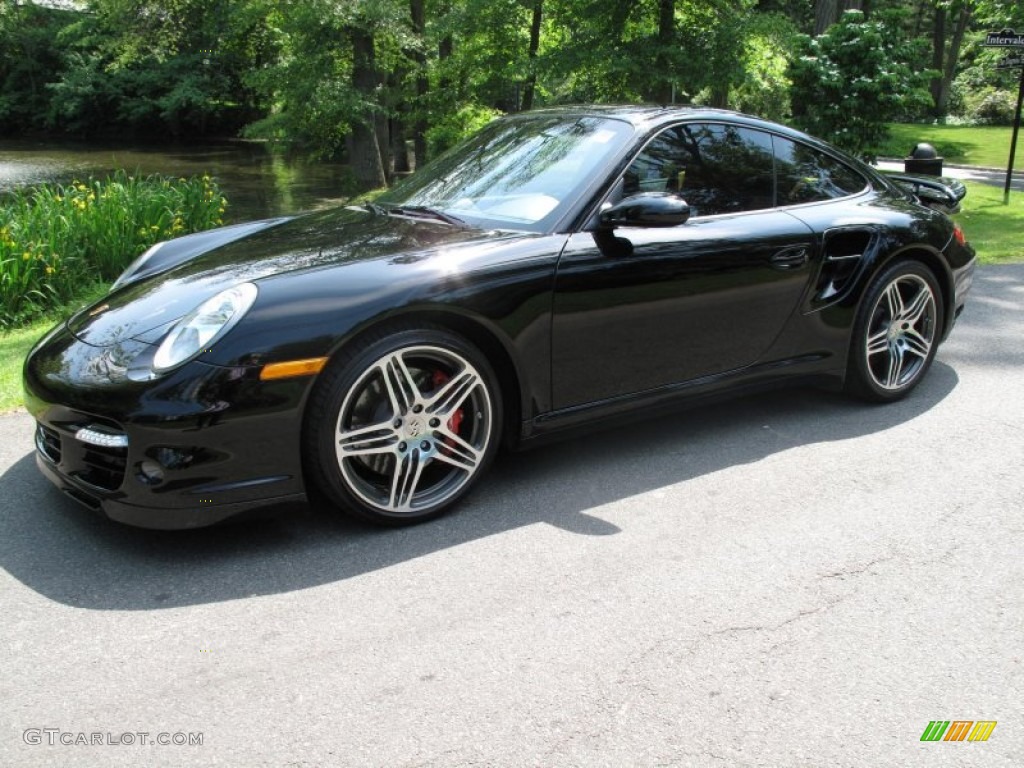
<point x="402" y="425"/>
<point x="896" y="333"/>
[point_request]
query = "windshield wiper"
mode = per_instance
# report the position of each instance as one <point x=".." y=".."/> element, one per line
<point x="418" y="212"/>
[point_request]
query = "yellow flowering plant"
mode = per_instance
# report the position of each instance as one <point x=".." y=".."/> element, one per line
<point x="98" y="226"/>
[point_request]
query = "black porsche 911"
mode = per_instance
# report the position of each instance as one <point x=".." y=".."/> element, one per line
<point x="558" y="268"/>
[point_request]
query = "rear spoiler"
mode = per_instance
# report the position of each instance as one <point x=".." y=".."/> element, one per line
<point x="944" y="194"/>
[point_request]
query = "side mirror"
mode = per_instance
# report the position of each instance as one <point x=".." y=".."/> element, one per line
<point x="647" y="209"/>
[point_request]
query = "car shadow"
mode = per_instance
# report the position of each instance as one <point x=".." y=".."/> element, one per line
<point x="80" y="559"/>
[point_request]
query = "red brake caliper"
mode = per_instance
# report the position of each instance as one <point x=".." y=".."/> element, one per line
<point x="441" y="378"/>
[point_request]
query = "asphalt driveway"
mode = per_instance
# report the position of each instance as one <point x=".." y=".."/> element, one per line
<point x="788" y="580"/>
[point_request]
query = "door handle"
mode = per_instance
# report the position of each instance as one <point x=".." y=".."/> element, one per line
<point x="790" y="258"/>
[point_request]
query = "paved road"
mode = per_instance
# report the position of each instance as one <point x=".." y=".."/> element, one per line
<point x="789" y="580"/>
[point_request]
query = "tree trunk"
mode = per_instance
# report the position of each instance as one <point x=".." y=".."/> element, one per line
<point x="445" y="49"/>
<point x="938" y="57"/>
<point x="419" y="128"/>
<point x="619" y="83"/>
<point x="363" y="144"/>
<point x="666" y="34"/>
<point x="399" y="150"/>
<point x="398" y="107"/>
<point x="719" y="98"/>
<point x="952" y="59"/>
<point x="826" y="13"/>
<point x="381" y="127"/>
<point x="531" y="80"/>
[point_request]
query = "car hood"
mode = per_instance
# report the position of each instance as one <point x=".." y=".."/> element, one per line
<point x="144" y="310"/>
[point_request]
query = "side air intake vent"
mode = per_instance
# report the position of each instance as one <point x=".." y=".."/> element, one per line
<point x="843" y="251"/>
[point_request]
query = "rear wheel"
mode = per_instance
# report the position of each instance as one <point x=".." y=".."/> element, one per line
<point x="402" y="425"/>
<point x="896" y="333"/>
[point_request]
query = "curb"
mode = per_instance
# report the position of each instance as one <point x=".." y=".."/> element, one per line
<point x="958" y="166"/>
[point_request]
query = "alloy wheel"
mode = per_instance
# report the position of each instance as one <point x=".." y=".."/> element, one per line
<point x="413" y="430"/>
<point x="901" y="332"/>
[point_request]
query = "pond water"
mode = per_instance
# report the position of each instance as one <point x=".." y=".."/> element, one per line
<point x="258" y="182"/>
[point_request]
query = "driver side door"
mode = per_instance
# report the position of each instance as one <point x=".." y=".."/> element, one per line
<point x="640" y="308"/>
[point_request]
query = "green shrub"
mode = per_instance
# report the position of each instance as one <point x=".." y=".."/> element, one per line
<point x="987" y="106"/>
<point x="57" y="239"/>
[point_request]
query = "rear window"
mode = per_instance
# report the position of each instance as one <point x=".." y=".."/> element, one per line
<point x="806" y="175"/>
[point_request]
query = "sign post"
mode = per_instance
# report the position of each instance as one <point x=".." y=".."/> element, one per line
<point x="1008" y="38"/>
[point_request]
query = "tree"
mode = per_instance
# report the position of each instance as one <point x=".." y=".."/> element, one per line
<point x="827" y="12"/>
<point x="30" y="60"/>
<point x="531" y="79"/>
<point x="946" y="53"/>
<point x="368" y="79"/>
<point x="364" y="145"/>
<point x="155" y="68"/>
<point x="768" y="50"/>
<point x="852" y="79"/>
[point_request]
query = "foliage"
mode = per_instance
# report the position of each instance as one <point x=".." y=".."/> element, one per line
<point x="854" y="78"/>
<point x="147" y="67"/>
<point x="619" y="52"/>
<point x="30" y="58"/>
<point x="57" y="238"/>
<point x="306" y="81"/>
<point x="458" y="125"/>
<point x="376" y="81"/>
<point x="764" y="89"/>
<point x="990" y="106"/>
<point x="983" y="94"/>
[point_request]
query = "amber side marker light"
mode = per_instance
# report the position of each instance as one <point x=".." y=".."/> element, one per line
<point x="292" y="368"/>
<point x="959" y="235"/>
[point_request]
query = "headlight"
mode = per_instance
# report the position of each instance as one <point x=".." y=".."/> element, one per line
<point x="199" y="329"/>
<point x="136" y="265"/>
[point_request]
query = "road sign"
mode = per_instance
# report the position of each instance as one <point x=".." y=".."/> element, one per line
<point x="1011" y="61"/>
<point x="1007" y="38"/>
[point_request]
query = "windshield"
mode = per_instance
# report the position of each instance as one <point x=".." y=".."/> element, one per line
<point x="520" y="173"/>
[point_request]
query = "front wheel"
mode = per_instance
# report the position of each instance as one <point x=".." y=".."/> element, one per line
<point x="896" y="333"/>
<point x="403" y="425"/>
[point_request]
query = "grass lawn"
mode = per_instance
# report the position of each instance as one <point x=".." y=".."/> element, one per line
<point x="992" y="228"/>
<point x="995" y="230"/>
<point x="13" y="347"/>
<point x="985" y="145"/>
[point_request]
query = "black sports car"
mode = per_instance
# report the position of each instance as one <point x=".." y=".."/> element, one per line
<point x="558" y="268"/>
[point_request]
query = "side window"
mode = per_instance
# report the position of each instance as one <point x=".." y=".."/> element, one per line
<point x="715" y="168"/>
<point x="807" y="175"/>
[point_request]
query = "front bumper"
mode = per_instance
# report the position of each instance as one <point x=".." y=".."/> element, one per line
<point x="156" y="517"/>
<point x="193" y="448"/>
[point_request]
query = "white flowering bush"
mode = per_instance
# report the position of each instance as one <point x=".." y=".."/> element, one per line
<point x="853" y="79"/>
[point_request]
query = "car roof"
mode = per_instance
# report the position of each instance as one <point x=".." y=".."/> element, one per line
<point x="651" y="116"/>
